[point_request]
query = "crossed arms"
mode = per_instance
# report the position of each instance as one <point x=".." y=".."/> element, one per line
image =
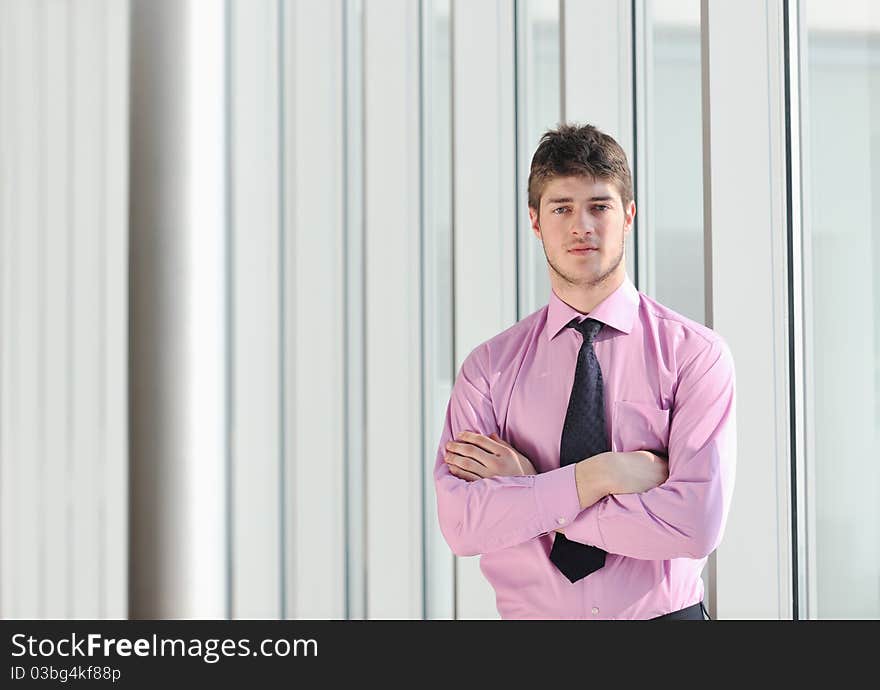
<point x="632" y="503"/>
<point x="473" y="456"/>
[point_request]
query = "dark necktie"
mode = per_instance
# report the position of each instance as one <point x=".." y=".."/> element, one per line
<point x="583" y="435"/>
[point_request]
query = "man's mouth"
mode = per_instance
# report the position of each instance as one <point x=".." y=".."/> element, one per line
<point x="582" y="250"/>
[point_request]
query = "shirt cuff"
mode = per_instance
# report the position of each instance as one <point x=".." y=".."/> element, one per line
<point x="556" y="498"/>
<point x="585" y="530"/>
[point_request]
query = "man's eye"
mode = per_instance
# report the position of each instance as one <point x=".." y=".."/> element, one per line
<point x="601" y="207"/>
<point x="561" y="208"/>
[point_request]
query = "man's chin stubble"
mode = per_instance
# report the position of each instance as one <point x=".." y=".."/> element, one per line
<point x="586" y="281"/>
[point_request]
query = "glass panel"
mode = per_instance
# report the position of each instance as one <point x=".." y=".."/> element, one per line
<point x="538" y="103"/>
<point x="674" y="156"/>
<point x="438" y="364"/>
<point x="670" y="190"/>
<point x="438" y="140"/>
<point x="841" y="177"/>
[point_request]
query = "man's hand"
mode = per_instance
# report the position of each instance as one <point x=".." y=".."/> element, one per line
<point x="636" y="472"/>
<point x="474" y="456"/>
<point x="607" y="473"/>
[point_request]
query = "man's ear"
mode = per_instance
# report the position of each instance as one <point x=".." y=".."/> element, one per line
<point x="533" y="219"/>
<point x="629" y="217"/>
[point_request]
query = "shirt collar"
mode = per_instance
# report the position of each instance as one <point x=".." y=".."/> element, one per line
<point x="618" y="310"/>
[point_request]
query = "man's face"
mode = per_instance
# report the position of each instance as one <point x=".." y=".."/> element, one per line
<point x="583" y="225"/>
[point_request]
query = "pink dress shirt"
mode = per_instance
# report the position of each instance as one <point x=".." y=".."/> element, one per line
<point x="669" y="387"/>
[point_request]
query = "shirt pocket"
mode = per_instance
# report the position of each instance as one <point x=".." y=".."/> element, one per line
<point x="639" y="426"/>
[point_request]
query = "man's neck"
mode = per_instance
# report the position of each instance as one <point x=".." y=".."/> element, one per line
<point x="585" y="298"/>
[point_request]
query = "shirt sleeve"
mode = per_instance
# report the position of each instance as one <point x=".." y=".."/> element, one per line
<point x="497" y="512"/>
<point x="685" y="516"/>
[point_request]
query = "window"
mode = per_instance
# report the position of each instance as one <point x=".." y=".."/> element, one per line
<point x="840" y="99"/>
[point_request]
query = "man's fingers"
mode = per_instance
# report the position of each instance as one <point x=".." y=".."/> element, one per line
<point x="486" y="443"/>
<point x="463" y="474"/>
<point x="474" y="451"/>
<point x="464" y="467"/>
<point x="468" y="464"/>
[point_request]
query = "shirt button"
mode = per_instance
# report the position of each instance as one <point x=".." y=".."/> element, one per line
<point x="595" y="611"/>
<point x="560" y="520"/>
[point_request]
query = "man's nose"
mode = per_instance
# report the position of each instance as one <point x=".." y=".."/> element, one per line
<point x="583" y="223"/>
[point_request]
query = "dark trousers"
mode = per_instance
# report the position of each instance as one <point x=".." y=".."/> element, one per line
<point x="691" y="613"/>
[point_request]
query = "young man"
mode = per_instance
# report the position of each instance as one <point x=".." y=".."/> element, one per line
<point x="588" y="452"/>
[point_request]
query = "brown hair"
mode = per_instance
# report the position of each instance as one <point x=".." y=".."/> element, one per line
<point x="581" y="150"/>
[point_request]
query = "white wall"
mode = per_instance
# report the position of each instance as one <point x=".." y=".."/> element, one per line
<point x="63" y="309"/>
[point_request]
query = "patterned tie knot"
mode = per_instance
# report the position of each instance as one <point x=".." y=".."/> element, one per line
<point x="587" y="328"/>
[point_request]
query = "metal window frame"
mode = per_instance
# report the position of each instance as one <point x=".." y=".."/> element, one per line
<point x="803" y="551"/>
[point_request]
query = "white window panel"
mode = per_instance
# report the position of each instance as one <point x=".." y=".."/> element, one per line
<point x="255" y="363"/>
<point x="484" y="201"/>
<point x="747" y="293"/>
<point x="438" y="323"/>
<point x="22" y="432"/>
<point x="392" y="250"/>
<point x="539" y="95"/>
<point x="58" y="562"/>
<point x="670" y="179"/>
<point x="63" y="304"/>
<point x="597" y="81"/>
<point x="114" y="355"/>
<point x="839" y="500"/>
<point x="315" y="322"/>
<point x="88" y="403"/>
